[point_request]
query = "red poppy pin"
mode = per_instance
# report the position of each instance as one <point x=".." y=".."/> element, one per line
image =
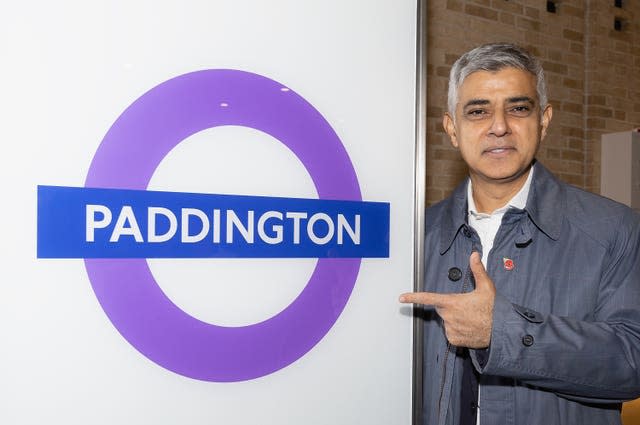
<point x="508" y="263"/>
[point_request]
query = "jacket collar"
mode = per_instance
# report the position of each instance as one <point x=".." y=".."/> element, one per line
<point x="545" y="207"/>
<point x="455" y="216"/>
<point x="547" y="201"/>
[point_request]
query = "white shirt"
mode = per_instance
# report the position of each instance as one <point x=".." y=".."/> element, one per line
<point x="487" y="226"/>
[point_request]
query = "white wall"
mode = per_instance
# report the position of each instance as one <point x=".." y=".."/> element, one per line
<point x="69" y="69"/>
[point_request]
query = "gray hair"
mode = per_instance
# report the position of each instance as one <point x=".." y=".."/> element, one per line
<point x="494" y="57"/>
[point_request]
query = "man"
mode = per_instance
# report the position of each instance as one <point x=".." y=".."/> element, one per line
<point x="532" y="314"/>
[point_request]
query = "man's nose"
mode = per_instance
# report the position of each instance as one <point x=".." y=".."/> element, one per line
<point x="499" y="125"/>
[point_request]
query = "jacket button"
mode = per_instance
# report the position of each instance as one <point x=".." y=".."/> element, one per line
<point x="527" y="340"/>
<point x="466" y="232"/>
<point x="455" y="274"/>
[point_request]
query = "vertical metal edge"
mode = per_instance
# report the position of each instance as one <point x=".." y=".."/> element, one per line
<point x="419" y="201"/>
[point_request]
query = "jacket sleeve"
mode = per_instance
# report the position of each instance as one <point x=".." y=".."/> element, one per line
<point x="590" y="361"/>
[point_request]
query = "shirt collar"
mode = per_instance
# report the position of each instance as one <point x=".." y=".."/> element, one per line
<point x="545" y="206"/>
<point x="519" y="201"/>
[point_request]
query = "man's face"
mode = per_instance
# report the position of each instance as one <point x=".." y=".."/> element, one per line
<point x="498" y="124"/>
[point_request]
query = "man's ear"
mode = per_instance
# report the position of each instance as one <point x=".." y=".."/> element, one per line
<point x="547" y="114"/>
<point x="450" y="128"/>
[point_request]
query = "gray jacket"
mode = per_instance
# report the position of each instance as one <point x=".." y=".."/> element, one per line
<point x="565" y="344"/>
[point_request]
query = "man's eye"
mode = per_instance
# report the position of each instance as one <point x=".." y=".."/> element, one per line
<point x="521" y="110"/>
<point x="476" y="112"/>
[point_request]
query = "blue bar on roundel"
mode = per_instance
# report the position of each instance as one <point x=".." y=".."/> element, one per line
<point x="78" y="222"/>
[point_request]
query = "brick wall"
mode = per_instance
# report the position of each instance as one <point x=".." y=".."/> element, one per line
<point x="612" y="97"/>
<point x="592" y="72"/>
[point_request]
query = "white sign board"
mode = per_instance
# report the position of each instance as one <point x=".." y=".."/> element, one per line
<point x="208" y="211"/>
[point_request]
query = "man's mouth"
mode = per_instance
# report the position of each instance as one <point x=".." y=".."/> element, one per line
<point x="498" y="150"/>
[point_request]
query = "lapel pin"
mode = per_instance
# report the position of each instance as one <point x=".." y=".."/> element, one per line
<point x="508" y="263"/>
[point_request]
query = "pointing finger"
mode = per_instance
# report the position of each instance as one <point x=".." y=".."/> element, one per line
<point x="425" y="298"/>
